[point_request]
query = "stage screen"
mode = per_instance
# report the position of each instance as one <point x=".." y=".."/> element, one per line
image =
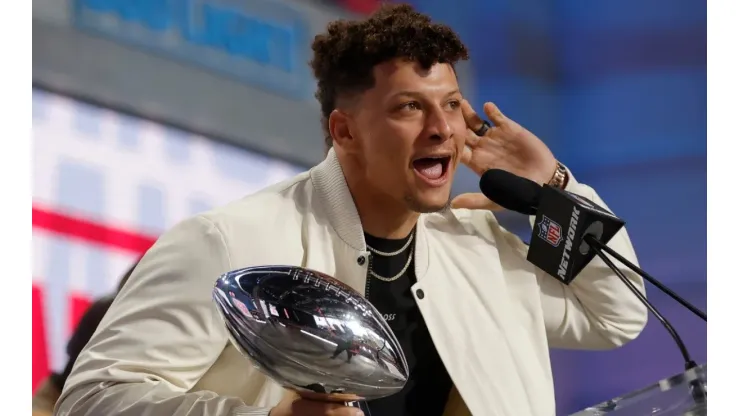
<point x="105" y="185"/>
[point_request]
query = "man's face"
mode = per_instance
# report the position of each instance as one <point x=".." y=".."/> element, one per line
<point x="410" y="133"/>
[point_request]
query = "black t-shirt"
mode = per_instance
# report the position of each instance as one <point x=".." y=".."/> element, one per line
<point x="429" y="385"/>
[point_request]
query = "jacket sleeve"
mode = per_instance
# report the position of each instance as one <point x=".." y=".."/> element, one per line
<point x="597" y="310"/>
<point x="159" y="337"/>
<point x="81" y="335"/>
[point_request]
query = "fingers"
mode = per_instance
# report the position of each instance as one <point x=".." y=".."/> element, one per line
<point x="472" y="119"/>
<point x="295" y="405"/>
<point x="475" y="201"/>
<point x="494" y="114"/>
<point x="345" y="411"/>
<point x="305" y="407"/>
<point x="467" y="159"/>
<point x="472" y="139"/>
<point x="467" y="155"/>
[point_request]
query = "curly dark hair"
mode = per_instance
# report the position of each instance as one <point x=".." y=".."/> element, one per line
<point x="344" y="56"/>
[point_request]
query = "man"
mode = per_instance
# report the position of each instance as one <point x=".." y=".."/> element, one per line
<point x="474" y="318"/>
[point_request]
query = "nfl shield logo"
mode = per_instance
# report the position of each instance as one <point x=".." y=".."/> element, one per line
<point x="550" y="231"/>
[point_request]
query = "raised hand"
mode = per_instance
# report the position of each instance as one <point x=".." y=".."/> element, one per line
<point x="503" y="144"/>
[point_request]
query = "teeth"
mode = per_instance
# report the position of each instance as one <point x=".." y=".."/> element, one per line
<point x="433" y="157"/>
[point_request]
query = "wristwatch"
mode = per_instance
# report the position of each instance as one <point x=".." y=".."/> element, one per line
<point x="560" y="177"/>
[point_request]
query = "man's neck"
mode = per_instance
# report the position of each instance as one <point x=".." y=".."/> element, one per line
<point x="380" y="215"/>
<point x="379" y="221"/>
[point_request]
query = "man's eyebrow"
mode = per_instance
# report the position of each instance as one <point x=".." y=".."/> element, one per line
<point x="416" y="94"/>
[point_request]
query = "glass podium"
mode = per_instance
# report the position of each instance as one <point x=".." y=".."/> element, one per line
<point x="684" y="394"/>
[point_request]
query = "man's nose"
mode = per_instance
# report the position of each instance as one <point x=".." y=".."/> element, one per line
<point x="438" y="126"/>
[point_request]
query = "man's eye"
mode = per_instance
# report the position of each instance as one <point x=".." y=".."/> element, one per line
<point x="454" y="104"/>
<point x="413" y="105"/>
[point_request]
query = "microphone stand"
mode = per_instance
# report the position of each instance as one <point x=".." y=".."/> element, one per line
<point x="698" y="390"/>
<point x="597" y="246"/>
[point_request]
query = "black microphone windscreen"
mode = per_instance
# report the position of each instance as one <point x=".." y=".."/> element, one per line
<point x="511" y="191"/>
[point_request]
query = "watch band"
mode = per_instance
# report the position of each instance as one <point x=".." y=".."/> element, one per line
<point x="560" y="177"/>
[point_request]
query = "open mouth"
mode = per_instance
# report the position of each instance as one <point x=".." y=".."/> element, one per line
<point x="433" y="169"/>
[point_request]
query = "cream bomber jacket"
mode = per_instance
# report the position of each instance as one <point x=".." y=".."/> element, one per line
<point x="162" y="349"/>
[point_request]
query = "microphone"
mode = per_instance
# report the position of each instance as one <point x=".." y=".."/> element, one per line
<point x="563" y="253"/>
<point x="526" y="197"/>
<point x="562" y="220"/>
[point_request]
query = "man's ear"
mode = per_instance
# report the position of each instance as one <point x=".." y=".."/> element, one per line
<point x="339" y="128"/>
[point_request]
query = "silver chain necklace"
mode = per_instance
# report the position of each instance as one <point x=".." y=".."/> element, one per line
<point x="394" y="253"/>
<point x="391" y="254"/>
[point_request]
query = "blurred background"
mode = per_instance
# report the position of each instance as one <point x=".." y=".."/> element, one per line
<point x="148" y="111"/>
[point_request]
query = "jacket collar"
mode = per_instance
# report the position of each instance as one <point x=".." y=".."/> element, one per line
<point x="328" y="180"/>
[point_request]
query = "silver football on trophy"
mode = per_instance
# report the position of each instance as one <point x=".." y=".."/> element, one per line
<point x="311" y="333"/>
